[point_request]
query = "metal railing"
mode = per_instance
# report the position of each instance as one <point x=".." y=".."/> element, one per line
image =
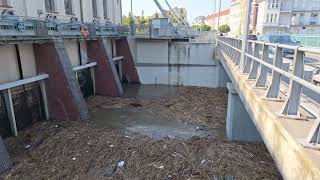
<point x="308" y="40"/>
<point x="266" y="65"/>
<point x="19" y="28"/>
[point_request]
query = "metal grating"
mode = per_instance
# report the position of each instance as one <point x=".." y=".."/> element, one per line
<point x="85" y="82"/>
<point x="28" y="105"/>
<point x="5" y="128"/>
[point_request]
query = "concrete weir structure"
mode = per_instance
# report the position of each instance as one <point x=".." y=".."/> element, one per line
<point x="54" y="54"/>
<point x="164" y="61"/>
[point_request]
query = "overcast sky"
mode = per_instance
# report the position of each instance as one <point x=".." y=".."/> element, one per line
<point x="194" y="7"/>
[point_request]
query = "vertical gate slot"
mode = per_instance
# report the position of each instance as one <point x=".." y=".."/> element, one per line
<point x="85" y="82"/>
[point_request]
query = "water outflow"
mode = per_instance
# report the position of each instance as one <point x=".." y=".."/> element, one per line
<point x="137" y="120"/>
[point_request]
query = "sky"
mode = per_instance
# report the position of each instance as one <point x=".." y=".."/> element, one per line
<point x="194" y="7"/>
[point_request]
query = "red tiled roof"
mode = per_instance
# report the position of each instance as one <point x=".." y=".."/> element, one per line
<point x="222" y="13"/>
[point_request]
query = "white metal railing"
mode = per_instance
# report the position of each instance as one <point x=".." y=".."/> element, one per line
<point x="264" y="63"/>
<point x="6" y="88"/>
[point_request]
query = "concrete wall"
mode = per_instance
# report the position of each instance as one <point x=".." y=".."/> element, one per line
<point x="27" y="60"/>
<point x="9" y="68"/>
<point x="175" y="63"/>
<point x="73" y="52"/>
<point x="8" y="64"/>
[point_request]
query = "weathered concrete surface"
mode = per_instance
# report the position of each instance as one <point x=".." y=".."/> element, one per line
<point x="129" y="70"/>
<point x="239" y="124"/>
<point x="280" y="135"/>
<point x="65" y="99"/>
<point x="175" y="63"/>
<point x="106" y="77"/>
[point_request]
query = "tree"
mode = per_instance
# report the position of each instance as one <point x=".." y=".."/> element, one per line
<point x="225" y="28"/>
<point x="127" y="20"/>
<point x="201" y="27"/>
<point x="142" y="21"/>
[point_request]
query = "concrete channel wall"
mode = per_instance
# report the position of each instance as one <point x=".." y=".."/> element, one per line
<point x="175" y="63"/>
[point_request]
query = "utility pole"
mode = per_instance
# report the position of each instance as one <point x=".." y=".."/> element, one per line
<point x="245" y="34"/>
<point x="131" y="20"/>
<point x="219" y="14"/>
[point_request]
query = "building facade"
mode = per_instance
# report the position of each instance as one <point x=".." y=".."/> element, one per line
<point x="289" y="17"/>
<point x="86" y="10"/>
<point x="218" y="19"/>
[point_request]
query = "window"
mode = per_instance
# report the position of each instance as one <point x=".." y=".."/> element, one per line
<point x="4" y="3"/>
<point x="94" y="8"/>
<point x="68" y="6"/>
<point x="301" y="19"/>
<point x="50" y="6"/>
<point x="271" y="18"/>
<point x="294" y="19"/>
<point x="314" y="18"/>
<point x="267" y="19"/>
<point x="105" y="9"/>
<point x="275" y="18"/>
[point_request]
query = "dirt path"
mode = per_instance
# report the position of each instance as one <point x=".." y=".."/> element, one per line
<point x="75" y="150"/>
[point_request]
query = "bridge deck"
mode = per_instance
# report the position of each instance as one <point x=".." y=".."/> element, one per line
<point x="282" y="136"/>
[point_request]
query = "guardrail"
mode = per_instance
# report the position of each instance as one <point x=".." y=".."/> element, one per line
<point x="164" y="31"/>
<point x="6" y="88"/>
<point x="264" y="63"/>
<point x="308" y="40"/>
<point x="19" y="28"/>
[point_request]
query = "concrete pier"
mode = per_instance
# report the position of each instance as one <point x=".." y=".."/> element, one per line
<point x="239" y="124"/>
<point x="65" y="99"/>
<point x="106" y="76"/>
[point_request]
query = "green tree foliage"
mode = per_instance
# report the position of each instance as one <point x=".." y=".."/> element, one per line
<point x="141" y="22"/>
<point x="202" y="27"/>
<point x="225" y="28"/>
<point x="127" y="20"/>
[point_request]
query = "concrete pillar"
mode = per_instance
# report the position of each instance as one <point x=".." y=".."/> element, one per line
<point x="223" y="77"/>
<point x="106" y="77"/>
<point x="65" y="99"/>
<point x="240" y="127"/>
<point x="129" y="70"/>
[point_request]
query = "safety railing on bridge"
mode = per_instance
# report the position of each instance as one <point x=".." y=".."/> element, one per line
<point x="267" y="64"/>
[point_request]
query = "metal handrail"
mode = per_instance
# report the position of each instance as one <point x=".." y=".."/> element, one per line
<point x="23" y="82"/>
<point x="297" y="84"/>
<point x="279" y="70"/>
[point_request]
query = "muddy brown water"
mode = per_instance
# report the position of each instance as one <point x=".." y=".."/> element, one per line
<point x="137" y="120"/>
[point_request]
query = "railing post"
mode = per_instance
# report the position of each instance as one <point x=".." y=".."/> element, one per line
<point x="248" y="62"/>
<point x="10" y="111"/>
<point x="93" y="78"/>
<point x="238" y="54"/>
<point x="291" y="106"/>
<point x="245" y="34"/>
<point x="274" y="89"/>
<point x="255" y="65"/>
<point x="262" y="79"/>
<point x="44" y="98"/>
